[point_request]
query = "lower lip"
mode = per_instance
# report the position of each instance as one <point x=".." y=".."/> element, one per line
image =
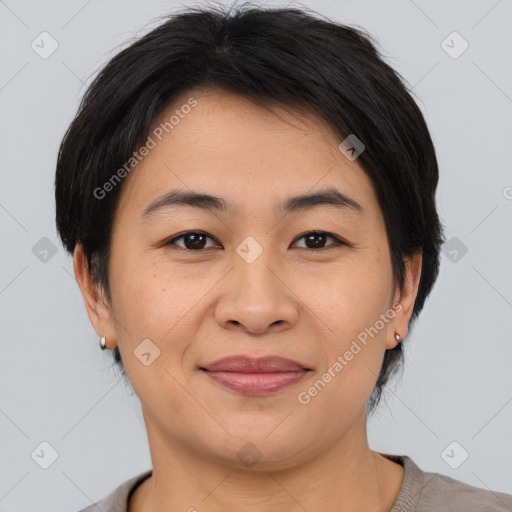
<point x="256" y="383"/>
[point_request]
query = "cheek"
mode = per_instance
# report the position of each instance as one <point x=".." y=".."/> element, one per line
<point x="357" y="291"/>
<point x="161" y="302"/>
<point x="154" y="305"/>
<point x="354" y="347"/>
<point x="356" y="311"/>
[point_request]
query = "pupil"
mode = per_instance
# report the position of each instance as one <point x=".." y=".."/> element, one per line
<point x="195" y="245"/>
<point x="317" y="235"/>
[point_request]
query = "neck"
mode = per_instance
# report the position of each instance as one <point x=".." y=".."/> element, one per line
<point x="349" y="477"/>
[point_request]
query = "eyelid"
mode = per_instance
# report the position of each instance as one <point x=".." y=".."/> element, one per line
<point x="337" y="239"/>
<point x="171" y="241"/>
<point x="337" y="243"/>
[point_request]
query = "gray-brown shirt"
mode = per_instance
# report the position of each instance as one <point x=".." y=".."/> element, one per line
<point x="421" y="491"/>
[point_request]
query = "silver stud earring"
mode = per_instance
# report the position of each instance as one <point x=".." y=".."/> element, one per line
<point x="103" y="343"/>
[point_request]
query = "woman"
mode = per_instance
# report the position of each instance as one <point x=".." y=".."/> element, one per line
<point x="249" y="198"/>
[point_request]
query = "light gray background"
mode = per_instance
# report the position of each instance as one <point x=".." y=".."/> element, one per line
<point x="57" y="386"/>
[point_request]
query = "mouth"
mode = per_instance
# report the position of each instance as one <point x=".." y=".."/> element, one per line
<point x="255" y="376"/>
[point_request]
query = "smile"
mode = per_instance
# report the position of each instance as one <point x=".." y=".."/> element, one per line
<point x="255" y="376"/>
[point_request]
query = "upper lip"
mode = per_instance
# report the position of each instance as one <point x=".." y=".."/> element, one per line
<point x="246" y="364"/>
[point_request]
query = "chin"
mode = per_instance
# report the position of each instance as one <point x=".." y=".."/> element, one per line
<point x="258" y="449"/>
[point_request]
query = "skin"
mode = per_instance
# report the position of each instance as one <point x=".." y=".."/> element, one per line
<point x="297" y="301"/>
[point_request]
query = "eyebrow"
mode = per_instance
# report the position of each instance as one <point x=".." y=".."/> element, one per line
<point x="188" y="198"/>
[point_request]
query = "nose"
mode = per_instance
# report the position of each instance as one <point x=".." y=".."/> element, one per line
<point x="257" y="297"/>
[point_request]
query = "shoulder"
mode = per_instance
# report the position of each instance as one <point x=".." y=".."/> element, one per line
<point x="424" y="491"/>
<point x="117" y="500"/>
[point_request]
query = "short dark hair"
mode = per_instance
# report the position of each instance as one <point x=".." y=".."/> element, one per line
<point x="290" y="57"/>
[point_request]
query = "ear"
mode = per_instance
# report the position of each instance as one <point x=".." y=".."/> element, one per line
<point x="405" y="299"/>
<point x="96" y="303"/>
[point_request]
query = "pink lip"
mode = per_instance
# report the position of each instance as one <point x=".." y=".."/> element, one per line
<point x="258" y="376"/>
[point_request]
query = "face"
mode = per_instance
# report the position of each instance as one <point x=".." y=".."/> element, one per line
<point x="309" y="281"/>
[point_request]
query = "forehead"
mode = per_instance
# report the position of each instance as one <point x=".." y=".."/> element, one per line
<point x="225" y="144"/>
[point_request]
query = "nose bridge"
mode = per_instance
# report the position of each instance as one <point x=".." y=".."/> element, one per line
<point x="255" y="267"/>
<point x="258" y="297"/>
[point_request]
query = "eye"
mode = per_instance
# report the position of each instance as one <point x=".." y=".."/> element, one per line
<point x="317" y="239"/>
<point x="193" y="240"/>
<point x="197" y="240"/>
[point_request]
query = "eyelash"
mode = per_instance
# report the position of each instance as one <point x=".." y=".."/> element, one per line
<point x="337" y="243"/>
